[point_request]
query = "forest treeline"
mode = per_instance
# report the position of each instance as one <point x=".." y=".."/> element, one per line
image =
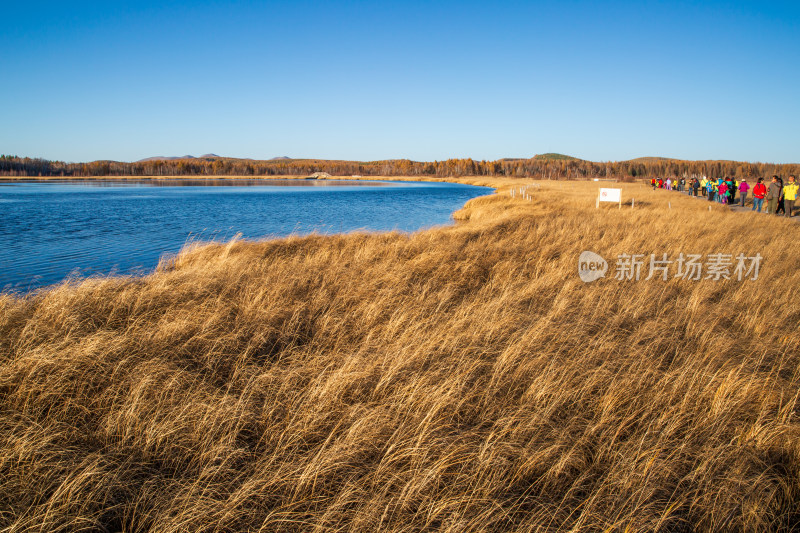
<point x="537" y="167"/>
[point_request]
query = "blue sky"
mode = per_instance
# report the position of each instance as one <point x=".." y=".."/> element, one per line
<point x="419" y="80"/>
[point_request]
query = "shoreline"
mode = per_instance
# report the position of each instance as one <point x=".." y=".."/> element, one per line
<point x="466" y="180"/>
<point x="18" y="291"/>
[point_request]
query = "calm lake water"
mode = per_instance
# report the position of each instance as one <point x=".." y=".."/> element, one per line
<point x="51" y="230"/>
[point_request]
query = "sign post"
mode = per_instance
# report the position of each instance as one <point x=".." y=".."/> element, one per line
<point x="609" y="195"/>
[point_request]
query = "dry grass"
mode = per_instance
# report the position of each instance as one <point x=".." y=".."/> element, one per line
<point x="457" y="379"/>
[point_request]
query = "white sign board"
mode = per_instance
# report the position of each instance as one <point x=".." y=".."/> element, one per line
<point x="611" y="195"/>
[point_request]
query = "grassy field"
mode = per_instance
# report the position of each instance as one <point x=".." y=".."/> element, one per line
<point x="456" y="379"/>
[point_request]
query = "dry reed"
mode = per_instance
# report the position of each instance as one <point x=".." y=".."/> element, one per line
<point x="456" y="379"/>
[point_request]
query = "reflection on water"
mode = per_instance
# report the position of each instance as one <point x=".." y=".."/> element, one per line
<point x="49" y="230"/>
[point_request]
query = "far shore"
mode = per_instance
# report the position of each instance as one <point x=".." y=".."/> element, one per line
<point x="223" y="177"/>
<point x="483" y="181"/>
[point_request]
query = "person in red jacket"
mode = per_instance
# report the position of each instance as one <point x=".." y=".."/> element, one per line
<point x="759" y="192"/>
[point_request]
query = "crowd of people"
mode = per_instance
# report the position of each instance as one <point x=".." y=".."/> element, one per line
<point x="780" y="197"/>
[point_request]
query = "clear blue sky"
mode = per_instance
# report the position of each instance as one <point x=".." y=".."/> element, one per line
<point x="420" y="80"/>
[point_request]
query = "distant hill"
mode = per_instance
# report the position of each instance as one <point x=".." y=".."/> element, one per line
<point x="165" y="158"/>
<point x="173" y="158"/>
<point x="661" y="159"/>
<point x="281" y="158"/>
<point x="554" y="156"/>
<point x="650" y="159"/>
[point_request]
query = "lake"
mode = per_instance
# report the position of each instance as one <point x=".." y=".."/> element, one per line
<point x="55" y="229"/>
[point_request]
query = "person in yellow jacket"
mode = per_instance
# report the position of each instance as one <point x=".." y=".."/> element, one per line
<point x="790" y="195"/>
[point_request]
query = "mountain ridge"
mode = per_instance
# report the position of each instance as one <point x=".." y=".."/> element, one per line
<point x="175" y="157"/>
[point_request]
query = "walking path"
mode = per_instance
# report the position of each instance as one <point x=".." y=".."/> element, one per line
<point x="736" y="207"/>
<point x="794" y="218"/>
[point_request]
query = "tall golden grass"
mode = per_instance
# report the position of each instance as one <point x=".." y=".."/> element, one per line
<point x="455" y="379"/>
